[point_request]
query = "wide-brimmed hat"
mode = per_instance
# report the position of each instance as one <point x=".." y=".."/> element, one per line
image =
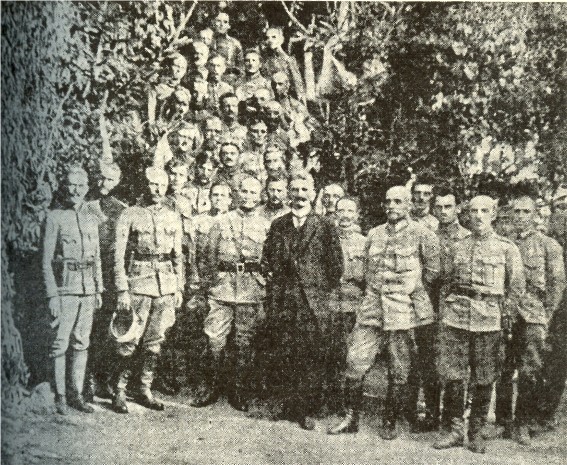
<point x="123" y="327"/>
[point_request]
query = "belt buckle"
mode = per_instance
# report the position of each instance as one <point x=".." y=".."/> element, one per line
<point x="240" y="267"/>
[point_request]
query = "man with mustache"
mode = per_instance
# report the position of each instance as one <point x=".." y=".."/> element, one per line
<point x="73" y="281"/>
<point x="252" y="80"/>
<point x="277" y="203"/>
<point x="421" y="195"/>
<point x="483" y="284"/>
<point x="229" y="116"/>
<point x="303" y="263"/>
<point x="401" y="260"/>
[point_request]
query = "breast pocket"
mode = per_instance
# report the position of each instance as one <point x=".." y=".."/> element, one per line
<point x="68" y="244"/>
<point x="534" y="265"/>
<point x="493" y="270"/>
<point x="405" y="259"/>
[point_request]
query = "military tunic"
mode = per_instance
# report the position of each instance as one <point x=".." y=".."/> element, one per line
<point x="429" y="221"/>
<point x="483" y="279"/>
<point x="399" y="261"/>
<point x="246" y="88"/>
<point x="230" y="48"/>
<point x="545" y="281"/>
<point x="237" y="286"/>
<point x="275" y="61"/>
<point x="73" y="273"/>
<point x="152" y="273"/>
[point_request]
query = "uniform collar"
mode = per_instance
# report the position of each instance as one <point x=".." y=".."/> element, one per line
<point x="397" y="227"/>
<point x="524" y="234"/>
<point x="485" y="235"/>
<point x="450" y="228"/>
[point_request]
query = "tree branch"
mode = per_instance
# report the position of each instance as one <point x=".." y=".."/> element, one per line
<point x="295" y="20"/>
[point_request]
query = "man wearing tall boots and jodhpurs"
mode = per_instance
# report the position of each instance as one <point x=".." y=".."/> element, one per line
<point x="149" y="285"/>
<point x="236" y="295"/>
<point x="483" y="282"/>
<point x="445" y="208"/>
<point x="401" y="259"/>
<point x="423" y="372"/>
<point x="545" y="280"/>
<point x="73" y="280"/>
<point x="303" y="263"/>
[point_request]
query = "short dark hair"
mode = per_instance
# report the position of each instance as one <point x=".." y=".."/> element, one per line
<point x="443" y="190"/>
<point x="525" y="188"/>
<point x="423" y="179"/>
<point x="174" y="163"/>
<point x="277" y="177"/>
<point x="226" y="95"/>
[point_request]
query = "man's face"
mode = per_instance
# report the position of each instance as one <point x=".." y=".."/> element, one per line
<point x="212" y="131"/>
<point x="397" y="204"/>
<point x="220" y="198"/>
<point x="273" y="111"/>
<point x="181" y="102"/>
<point x="200" y="89"/>
<point x="249" y="193"/>
<point x="206" y="36"/>
<point x="204" y="172"/>
<point x="482" y="212"/>
<point x="280" y="85"/>
<point x="258" y="133"/>
<point x="229" y="156"/>
<point x="445" y="209"/>
<point x="185" y="140"/>
<point x="178" y="68"/>
<point x="301" y="192"/>
<point x="108" y="181"/>
<point x="274" y="162"/>
<point x="262" y="95"/>
<point x="77" y="187"/>
<point x="331" y="195"/>
<point x="277" y="193"/>
<point x="274" y="39"/>
<point x="421" y="197"/>
<point x="178" y="177"/>
<point x="229" y="108"/>
<point x="525" y="212"/>
<point x="217" y="67"/>
<point x="252" y="63"/>
<point x="200" y="54"/>
<point x="347" y="213"/>
<point x="157" y="187"/>
<point x="222" y="23"/>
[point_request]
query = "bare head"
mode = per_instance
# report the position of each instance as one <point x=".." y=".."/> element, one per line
<point x="397" y="204"/>
<point x="482" y="212"/>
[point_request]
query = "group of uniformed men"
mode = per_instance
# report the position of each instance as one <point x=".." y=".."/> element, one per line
<point x="297" y="303"/>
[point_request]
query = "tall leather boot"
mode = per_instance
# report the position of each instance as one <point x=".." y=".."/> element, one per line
<point x="353" y="400"/>
<point x="525" y="411"/>
<point x="411" y="400"/>
<point x="145" y="396"/>
<point x="78" y="368"/>
<point x="454" y="409"/>
<point x="210" y="392"/>
<point x="119" y="380"/>
<point x="394" y="404"/>
<point x="59" y="367"/>
<point x="479" y="412"/>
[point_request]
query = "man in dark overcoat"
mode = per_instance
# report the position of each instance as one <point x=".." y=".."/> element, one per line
<point x="303" y="263"/>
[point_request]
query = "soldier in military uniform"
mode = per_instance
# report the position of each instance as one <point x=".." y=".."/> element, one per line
<point x="217" y="87"/>
<point x="236" y="294"/>
<point x="148" y="271"/>
<point x="276" y="60"/>
<point x="229" y="170"/>
<point x="225" y="45"/>
<point x="252" y="80"/>
<point x="172" y="361"/>
<point x="483" y="283"/>
<point x="445" y="209"/>
<point x="277" y="200"/>
<point x="73" y="280"/>
<point x="111" y="208"/>
<point x="545" y="282"/>
<point x="196" y="306"/>
<point x="401" y="260"/>
<point x="229" y="114"/>
<point x="422" y="193"/>
<point x="346" y="300"/>
<point x="200" y="189"/>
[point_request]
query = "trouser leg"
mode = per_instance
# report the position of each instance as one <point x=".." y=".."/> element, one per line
<point x="505" y="383"/>
<point x="479" y="412"/>
<point x="353" y="393"/>
<point x="454" y="410"/>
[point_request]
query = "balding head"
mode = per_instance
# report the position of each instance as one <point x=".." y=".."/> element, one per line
<point x="397" y="204"/>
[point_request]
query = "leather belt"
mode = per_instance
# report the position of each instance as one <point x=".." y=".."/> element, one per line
<point x="240" y="267"/>
<point x="471" y="293"/>
<point x="78" y="266"/>
<point x="148" y="257"/>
